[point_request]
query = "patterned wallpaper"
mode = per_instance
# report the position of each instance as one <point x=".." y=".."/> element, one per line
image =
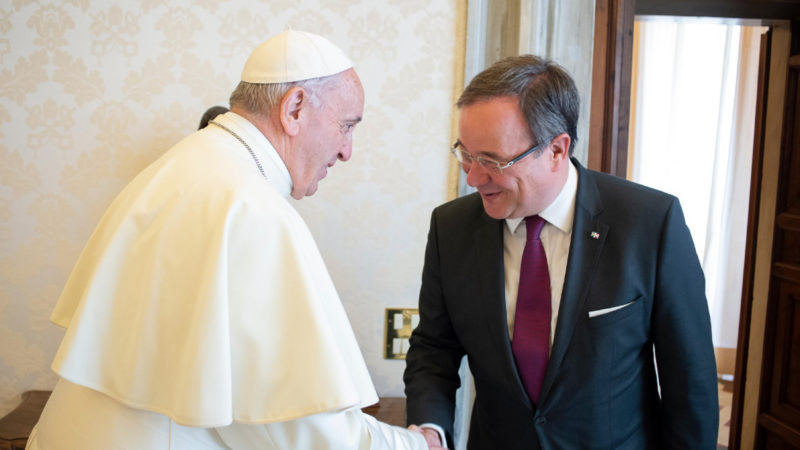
<point x="93" y="91"/>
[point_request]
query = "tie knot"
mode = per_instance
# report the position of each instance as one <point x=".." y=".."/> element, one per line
<point x="533" y="226"/>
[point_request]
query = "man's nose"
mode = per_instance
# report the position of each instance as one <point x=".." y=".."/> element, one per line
<point x="477" y="175"/>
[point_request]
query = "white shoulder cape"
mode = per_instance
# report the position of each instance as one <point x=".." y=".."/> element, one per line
<point x="202" y="296"/>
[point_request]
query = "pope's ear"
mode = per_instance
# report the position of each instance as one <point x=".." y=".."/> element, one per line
<point x="291" y="109"/>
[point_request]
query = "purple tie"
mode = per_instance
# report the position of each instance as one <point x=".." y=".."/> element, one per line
<point x="531" y="342"/>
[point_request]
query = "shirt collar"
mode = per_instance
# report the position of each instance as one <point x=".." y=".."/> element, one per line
<point x="274" y="168"/>
<point x="561" y="211"/>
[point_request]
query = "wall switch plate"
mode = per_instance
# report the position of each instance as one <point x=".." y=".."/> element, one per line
<point x="400" y="322"/>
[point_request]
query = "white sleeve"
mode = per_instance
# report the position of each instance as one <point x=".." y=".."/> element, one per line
<point x="385" y="436"/>
<point x="349" y="429"/>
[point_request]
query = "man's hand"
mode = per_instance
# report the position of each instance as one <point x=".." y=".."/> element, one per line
<point x="431" y="437"/>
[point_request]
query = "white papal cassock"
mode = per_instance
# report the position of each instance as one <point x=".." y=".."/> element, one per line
<point x="201" y="315"/>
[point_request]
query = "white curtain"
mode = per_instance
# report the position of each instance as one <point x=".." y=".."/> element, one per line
<point x="692" y="120"/>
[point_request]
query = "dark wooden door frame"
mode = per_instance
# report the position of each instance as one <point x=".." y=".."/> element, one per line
<point x="611" y="80"/>
<point x="778" y="415"/>
<point x="748" y="275"/>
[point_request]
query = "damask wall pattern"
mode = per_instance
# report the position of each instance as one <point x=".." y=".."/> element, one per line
<point x="91" y="92"/>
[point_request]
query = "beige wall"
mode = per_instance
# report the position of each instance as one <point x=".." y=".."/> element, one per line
<point x="91" y="92"/>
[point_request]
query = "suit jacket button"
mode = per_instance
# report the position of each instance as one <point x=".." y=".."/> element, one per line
<point x="541" y="420"/>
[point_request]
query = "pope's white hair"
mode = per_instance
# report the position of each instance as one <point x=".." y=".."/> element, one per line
<point x="261" y="99"/>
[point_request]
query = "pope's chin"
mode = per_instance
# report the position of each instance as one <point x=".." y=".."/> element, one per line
<point x="298" y="192"/>
<point x="310" y="189"/>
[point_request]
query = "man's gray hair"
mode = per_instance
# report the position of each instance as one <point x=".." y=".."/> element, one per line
<point x="546" y="93"/>
<point x="261" y="99"/>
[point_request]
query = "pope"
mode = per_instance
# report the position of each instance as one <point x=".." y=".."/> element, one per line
<point x="200" y="314"/>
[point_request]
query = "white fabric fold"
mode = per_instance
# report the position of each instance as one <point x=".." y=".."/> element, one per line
<point x="202" y="296"/>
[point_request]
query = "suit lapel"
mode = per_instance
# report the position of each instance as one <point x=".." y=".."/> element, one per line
<point x="588" y="237"/>
<point x="489" y="248"/>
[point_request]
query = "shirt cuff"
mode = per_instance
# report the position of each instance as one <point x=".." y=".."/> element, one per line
<point x="437" y="429"/>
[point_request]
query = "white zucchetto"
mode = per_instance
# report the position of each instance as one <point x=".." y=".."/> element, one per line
<point x="294" y="56"/>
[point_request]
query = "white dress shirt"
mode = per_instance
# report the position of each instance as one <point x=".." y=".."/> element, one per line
<point x="555" y="237"/>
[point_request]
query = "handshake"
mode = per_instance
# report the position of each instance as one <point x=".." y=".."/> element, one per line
<point x="432" y="437"/>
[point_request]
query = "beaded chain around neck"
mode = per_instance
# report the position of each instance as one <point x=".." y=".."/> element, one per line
<point x="258" y="163"/>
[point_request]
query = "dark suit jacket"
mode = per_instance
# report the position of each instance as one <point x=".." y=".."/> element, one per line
<point x="601" y="389"/>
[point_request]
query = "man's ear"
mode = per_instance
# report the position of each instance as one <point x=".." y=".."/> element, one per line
<point x="560" y="147"/>
<point x="292" y="110"/>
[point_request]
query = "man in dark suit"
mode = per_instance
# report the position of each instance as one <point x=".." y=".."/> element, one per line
<point x="616" y="352"/>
